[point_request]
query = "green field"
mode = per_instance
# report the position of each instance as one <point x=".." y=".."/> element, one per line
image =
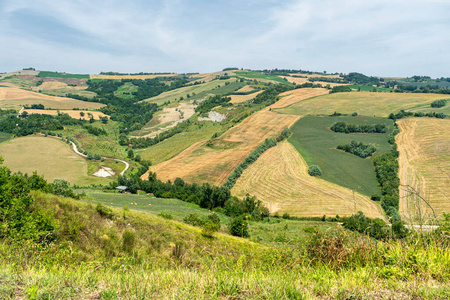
<point x="260" y="75"/>
<point x="62" y="75"/>
<point x="126" y="88"/>
<point x="316" y="143"/>
<point x="64" y="92"/>
<point x="427" y="108"/>
<point x="167" y="149"/>
<point x="5" y="136"/>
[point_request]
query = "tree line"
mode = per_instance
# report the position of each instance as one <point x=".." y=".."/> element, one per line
<point x="344" y="127"/>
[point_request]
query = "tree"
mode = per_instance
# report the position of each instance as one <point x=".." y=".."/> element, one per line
<point x="130" y="154"/>
<point x="239" y="226"/>
<point x="314" y="170"/>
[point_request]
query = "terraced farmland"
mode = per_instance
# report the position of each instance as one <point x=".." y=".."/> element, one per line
<point x="280" y="179"/>
<point x="424" y="145"/>
<point x="364" y="103"/>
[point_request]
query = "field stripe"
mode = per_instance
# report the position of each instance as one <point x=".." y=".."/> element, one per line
<point x="424" y="146"/>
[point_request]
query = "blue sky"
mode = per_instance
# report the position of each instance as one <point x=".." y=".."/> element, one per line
<point x="383" y="38"/>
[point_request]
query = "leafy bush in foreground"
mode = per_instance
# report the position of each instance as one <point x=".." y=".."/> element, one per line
<point x="314" y="170"/>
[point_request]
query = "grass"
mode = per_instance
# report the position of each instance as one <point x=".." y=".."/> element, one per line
<point x="427" y="108"/>
<point x="172" y="260"/>
<point x="5" y="136"/>
<point x="364" y="103"/>
<point x="62" y="75"/>
<point x="316" y="143"/>
<point x="126" y="88"/>
<point x="169" y="148"/>
<point x="105" y="145"/>
<point x="147" y="204"/>
<point x="53" y="159"/>
<point x="261" y="75"/>
<point x="65" y="91"/>
<point x="175" y="95"/>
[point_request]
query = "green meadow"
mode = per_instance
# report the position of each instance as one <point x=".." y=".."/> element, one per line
<point x="317" y="144"/>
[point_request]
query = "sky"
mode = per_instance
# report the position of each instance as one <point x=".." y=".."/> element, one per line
<point x="378" y="38"/>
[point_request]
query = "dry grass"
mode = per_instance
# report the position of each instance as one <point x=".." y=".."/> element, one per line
<point x="118" y="77"/>
<point x="280" y="179"/>
<point x="243" y="98"/>
<point x="294" y="96"/>
<point x="72" y="113"/>
<point x="364" y="103"/>
<point x="10" y="96"/>
<point x="200" y="163"/>
<point x="247" y="88"/>
<point x="48" y="156"/>
<point x="168" y="118"/>
<point x="424" y="145"/>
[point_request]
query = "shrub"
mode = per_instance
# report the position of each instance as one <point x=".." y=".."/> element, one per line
<point x="314" y="170"/>
<point x="104" y="211"/>
<point x="239" y="227"/>
<point x="438" y="103"/>
<point x="165" y="215"/>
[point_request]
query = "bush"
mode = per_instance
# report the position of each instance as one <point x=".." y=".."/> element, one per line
<point x="239" y="227"/>
<point x="104" y="211"/>
<point x="314" y="170"/>
<point x="438" y="103"/>
<point x="165" y="215"/>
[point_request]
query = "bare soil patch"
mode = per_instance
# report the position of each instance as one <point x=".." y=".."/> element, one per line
<point x="243" y="98"/>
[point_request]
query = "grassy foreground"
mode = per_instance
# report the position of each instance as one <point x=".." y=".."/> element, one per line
<point x="132" y="255"/>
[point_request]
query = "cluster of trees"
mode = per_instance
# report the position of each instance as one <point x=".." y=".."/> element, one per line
<point x="327" y="79"/>
<point x="375" y="228"/>
<point x="95" y="130"/>
<point x="33" y="123"/>
<point x="403" y="114"/>
<point x="205" y="195"/>
<point x="340" y="89"/>
<point x="211" y="102"/>
<point x="358" y="78"/>
<point x="270" y="95"/>
<point x="34" y="106"/>
<point x="252" y="157"/>
<point x="439" y="103"/>
<point x="386" y="170"/>
<point x="344" y="127"/>
<point x="360" y="149"/>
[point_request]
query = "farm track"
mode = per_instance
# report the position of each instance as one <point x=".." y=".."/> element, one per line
<point x="280" y="179"/>
<point x="200" y="163"/>
<point x="424" y="146"/>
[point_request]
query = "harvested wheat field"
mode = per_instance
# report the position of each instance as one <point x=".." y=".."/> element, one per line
<point x="18" y="97"/>
<point x="50" y="157"/>
<point x="72" y="113"/>
<point x="298" y="95"/>
<point x="200" y="163"/>
<point x="364" y="103"/>
<point x="242" y="98"/>
<point x="424" y="145"/>
<point x="280" y="179"/>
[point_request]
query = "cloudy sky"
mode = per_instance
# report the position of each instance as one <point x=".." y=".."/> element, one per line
<point x="383" y="37"/>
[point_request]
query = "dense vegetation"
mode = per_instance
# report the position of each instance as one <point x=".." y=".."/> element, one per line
<point x="344" y="127"/>
<point x="340" y="89"/>
<point x="211" y="102"/>
<point x="359" y="149"/>
<point x="438" y="103"/>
